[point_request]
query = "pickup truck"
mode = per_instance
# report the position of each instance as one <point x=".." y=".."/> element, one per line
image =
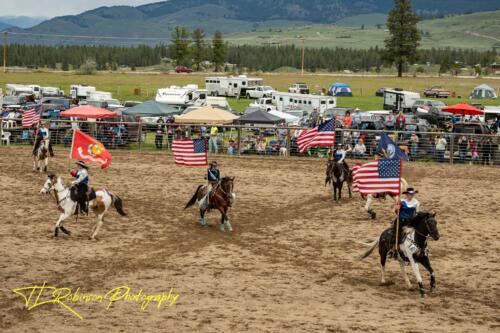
<point x="437" y="92"/>
<point x="298" y="88"/>
<point x="265" y="104"/>
<point x="260" y="92"/>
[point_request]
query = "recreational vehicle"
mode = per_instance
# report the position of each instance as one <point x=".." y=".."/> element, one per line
<point x="181" y="96"/>
<point x="17" y="89"/>
<point x="399" y="100"/>
<point x="81" y="91"/>
<point x="234" y="86"/>
<point x="285" y="101"/>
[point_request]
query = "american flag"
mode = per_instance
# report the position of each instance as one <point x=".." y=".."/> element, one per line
<point x="190" y="152"/>
<point x="32" y="116"/>
<point x="382" y="176"/>
<point x="323" y="135"/>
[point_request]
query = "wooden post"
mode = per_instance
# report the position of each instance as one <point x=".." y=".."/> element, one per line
<point x="452" y="148"/>
<point x="288" y="143"/>
<point x="139" y="135"/>
<point x="239" y="141"/>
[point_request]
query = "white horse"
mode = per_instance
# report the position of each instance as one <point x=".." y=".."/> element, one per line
<point x="41" y="156"/>
<point x="68" y="207"/>
<point x="371" y="197"/>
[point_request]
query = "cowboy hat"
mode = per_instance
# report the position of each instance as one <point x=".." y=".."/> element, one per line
<point x="82" y="164"/>
<point x="214" y="163"/>
<point x="410" y="190"/>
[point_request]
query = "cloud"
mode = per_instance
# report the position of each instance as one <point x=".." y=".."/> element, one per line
<point x="51" y="8"/>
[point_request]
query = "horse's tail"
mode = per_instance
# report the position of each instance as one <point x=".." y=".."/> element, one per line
<point x="369" y="251"/>
<point x="118" y="203"/>
<point x="193" y="199"/>
<point x="327" y="179"/>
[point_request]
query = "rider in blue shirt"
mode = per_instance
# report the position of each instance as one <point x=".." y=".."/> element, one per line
<point x="80" y="189"/>
<point x="213" y="173"/>
<point x="408" y="209"/>
<point x="339" y="156"/>
<point x="41" y="134"/>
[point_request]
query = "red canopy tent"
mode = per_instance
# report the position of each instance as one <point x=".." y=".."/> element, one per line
<point x="463" y="109"/>
<point x="88" y="111"/>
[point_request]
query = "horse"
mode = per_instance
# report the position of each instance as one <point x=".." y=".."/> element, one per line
<point x="221" y="197"/>
<point x="100" y="205"/>
<point x="41" y="156"/>
<point x="412" y="247"/>
<point x="337" y="175"/>
<point x="370" y="197"/>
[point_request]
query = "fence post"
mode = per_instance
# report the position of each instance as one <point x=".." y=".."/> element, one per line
<point x="288" y="143"/>
<point x="239" y="141"/>
<point x="1" y="130"/>
<point x="139" y="135"/>
<point x="452" y="148"/>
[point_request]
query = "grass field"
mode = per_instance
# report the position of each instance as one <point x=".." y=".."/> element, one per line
<point x="122" y="85"/>
<point x="478" y="31"/>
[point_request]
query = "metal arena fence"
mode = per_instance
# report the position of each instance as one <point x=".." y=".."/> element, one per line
<point x="441" y="147"/>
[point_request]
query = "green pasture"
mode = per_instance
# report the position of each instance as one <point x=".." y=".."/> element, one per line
<point x="124" y="85"/>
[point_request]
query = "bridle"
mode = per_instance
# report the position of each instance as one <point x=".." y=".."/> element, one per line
<point x="227" y="192"/>
<point x="52" y="190"/>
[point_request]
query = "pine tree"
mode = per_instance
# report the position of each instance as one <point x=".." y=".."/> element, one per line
<point x="219" y="51"/>
<point x="179" y="45"/>
<point x="198" y="47"/>
<point x="402" y="46"/>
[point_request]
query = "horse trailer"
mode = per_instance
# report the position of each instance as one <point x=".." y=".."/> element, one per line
<point x="18" y="89"/>
<point x="51" y="92"/>
<point x="286" y="101"/>
<point x="234" y="86"/>
<point x="81" y="91"/>
<point x="181" y="96"/>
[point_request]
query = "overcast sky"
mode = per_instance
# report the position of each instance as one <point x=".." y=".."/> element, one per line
<point x="51" y="8"/>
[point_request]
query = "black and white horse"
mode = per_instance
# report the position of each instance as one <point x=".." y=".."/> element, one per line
<point x="412" y="247"/>
<point x="337" y="174"/>
<point x="41" y="157"/>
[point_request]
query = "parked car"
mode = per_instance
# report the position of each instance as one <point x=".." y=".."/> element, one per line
<point x="437" y="92"/>
<point x="183" y="69"/>
<point x="431" y="110"/>
<point x="260" y="92"/>
<point x="265" y="104"/>
<point x="471" y="128"/>
<point x="298" y="88"/>
<point x="380" y="91"/>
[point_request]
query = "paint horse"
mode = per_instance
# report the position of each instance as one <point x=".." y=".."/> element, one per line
<point x="337" y="174"/>
<point x="221" y="197"/>
<point x="100" y="205"/>
<point x="41" y="156"/>
<point x="412" y="247"/>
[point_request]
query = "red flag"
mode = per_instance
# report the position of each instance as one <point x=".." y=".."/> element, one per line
<point x="88" y="149"/>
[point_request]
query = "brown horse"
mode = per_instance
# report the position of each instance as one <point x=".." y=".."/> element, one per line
<point x="221" y="197"/>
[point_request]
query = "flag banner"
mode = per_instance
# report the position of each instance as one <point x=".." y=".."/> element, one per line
<point x="88" y="149"/>
<point x="190" y="152"/>
<point x="382" y="176"/>
<point x="32" y="117"/>
<point x="389" y="150"/>
<point x="320" y="136"/>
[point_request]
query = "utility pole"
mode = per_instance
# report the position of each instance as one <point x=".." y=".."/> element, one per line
<point x="303" y="55"/>
<point x="5" y="52"/>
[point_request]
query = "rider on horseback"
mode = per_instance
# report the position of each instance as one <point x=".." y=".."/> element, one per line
<point x="339" y="156"/>
<point x="407" y="210"/>
<point x="42" y="134"/>
<point x="213" y="174"/>
<point x="80" y="189"/>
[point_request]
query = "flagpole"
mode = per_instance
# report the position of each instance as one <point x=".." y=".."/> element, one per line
<point x="71" y="150"/>
<point x="399" y="205"/>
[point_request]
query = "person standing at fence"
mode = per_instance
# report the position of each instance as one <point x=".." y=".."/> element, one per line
<point x="462" y="148"/>
<point x="347" y="121"/>
<point x="487" y="151"/>
<point x="414" y="140"/>
<point x="159" y="137"/>
<point x="359" y="150"/>
<point x="389" y="122"/>
<point x="212" y="142"/>
<point x="356" y="119"/>
<point x="440" y="148"/>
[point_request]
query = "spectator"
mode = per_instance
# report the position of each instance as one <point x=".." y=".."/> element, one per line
<point x="212" y="142"/>
<point x="159" y="137"/>
<point x="414" y="140"/>
<point x="389" y="122"/>
<point x="474" y="151"/>
<point x="359" y="150"/>
<point x="347" y="121"/>
<point x="314" y="118"/>
<point x="356" y="119"/>
<point x="400" y="121"/>
<point x="440" y="148"/>
<point x="487" y="152"/>
<point x="462" y="149"/>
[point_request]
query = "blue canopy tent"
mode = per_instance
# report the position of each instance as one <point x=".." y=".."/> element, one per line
<point x="340" y="89"/>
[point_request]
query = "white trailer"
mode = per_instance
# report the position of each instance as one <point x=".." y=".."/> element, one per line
<point x="400" y="100"/>
<point x="17" y="89"/>
<point x="81" y="91"/>
<point x="181" y="96"/>
<point x="51" y="92"/>
<point x="308" y="102"/>
<point x="232" y="85"/>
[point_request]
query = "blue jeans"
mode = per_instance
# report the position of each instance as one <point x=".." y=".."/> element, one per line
<point x="212" y="145"/>
<point x="440" y="155"/>
<point x="414" y="152"/>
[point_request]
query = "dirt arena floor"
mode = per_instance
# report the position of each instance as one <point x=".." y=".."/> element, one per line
<point x="291" y="264"/>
